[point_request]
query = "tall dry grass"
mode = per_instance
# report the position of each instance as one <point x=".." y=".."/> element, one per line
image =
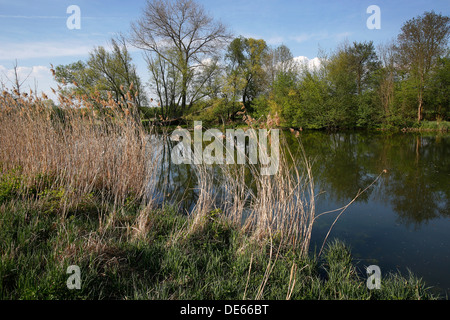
<point x="279" y="208"/>
<point x="82" y="148"/>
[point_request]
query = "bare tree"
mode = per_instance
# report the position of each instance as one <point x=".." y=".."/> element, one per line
<point x="164" y="82"/>
<point x="17" y="82"/>
<point x="183" y="29"/>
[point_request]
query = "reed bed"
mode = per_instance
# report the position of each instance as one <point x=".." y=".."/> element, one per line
<point x="279" y="206"/>
<point x="82" y="148"/>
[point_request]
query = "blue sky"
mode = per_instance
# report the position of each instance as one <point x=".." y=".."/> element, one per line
<point x="35" y="32"/>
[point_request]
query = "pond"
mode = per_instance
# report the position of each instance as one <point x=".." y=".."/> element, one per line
<point x="402" y="222"/>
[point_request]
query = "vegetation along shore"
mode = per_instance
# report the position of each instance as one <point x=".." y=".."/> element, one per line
<point x="78" y="175"/>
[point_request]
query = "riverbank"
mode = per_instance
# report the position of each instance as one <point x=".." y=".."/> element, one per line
<point x="424" y="126"/>
<point x="134" y="252"/>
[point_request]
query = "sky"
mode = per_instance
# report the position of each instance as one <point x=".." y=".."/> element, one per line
<point x="35" y="32"/>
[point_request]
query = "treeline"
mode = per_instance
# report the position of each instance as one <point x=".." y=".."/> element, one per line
<point x="198" y="70"/>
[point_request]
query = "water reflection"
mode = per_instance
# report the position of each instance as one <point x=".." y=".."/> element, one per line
<point x="417" y="183"/>
<point x="402" y="221"/>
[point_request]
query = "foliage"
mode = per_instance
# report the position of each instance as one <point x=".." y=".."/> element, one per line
<point x="198" y="71"/>
<point x="110" y="75"/>
<point x="246" y="75"/>
<point x="10" y="184"/>
<point x="422" y="41"/>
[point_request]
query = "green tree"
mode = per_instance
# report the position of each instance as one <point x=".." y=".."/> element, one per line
<point x="246" y="71"/>
<point x="314" y="110"/>
<point x="350" y="75"/>
<point x="419" y="45"/>
<point x="364" y="62"/>
<point x="284" y="96"/>
<point x="439" y="93"/>
<point x="342" y="82"/>
<point x="386" y="82"/>
<point x="114" y="72"/>
<point x="234" y="79"/>
<point x="75" y="77"/>
<point x="108" y="73"/>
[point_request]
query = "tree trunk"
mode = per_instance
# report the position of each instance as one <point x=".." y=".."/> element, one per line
<point x="420" y="98"/>
<point x="184" y="94"/>
<point x="419" y="110"/>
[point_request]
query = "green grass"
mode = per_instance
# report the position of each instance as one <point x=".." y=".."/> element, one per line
<point x="162" y="258"/>
<point x="435" y="125"/>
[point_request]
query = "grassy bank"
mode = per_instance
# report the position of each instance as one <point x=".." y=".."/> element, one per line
<point x="123" y="255"/>
<point x="424" y="126"/>
<point x="433" y="126"/>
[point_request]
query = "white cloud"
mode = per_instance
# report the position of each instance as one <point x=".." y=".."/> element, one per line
<point x="343" y="35"/>
<point x="38" y="72"/>
<point x="35" y="77"/>
<point x="31" y="50"/>
<point x="309" y="63"/>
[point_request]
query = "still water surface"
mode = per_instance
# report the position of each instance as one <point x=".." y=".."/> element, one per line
<point x="402" y="222"/>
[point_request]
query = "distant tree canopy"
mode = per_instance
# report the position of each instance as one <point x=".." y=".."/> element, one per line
<point x="110" y="74"/>
<point x="197" y="70"/>
<point x="422" y="41"/>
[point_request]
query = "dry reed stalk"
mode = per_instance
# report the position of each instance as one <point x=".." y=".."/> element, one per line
<point x="292" y="280"/>
<point x="82" y="149"/>
<point x="85" y="150"/>
<point x="344" y="208"/>
<point x="283" y="204"/>
<point x="280" y="205"/>
<point x="206" y="196"/>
